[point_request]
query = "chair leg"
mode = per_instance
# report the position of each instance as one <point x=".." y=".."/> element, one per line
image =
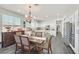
<point x="23" y="50"/>
<point x="50" y="49"/>
<point x="42" y="50"/>
<point x="29" y="52"/>
<point x="16" y="49"/>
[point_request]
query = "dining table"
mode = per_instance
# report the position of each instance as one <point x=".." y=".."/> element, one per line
<point x="35" y="39"/>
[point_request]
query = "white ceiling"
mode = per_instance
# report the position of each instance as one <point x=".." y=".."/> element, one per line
<point x="43" y="11"/>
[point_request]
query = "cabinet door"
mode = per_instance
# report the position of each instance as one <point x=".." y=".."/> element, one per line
<point x="8" y="39"/>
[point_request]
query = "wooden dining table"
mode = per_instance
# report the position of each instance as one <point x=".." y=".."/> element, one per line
<point x="35" y="39"/>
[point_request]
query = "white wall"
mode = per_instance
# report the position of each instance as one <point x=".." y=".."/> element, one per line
<point x="34" y="24"/>
<point x="50" y="22"/>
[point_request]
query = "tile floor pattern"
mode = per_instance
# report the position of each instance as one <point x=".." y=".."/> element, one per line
<point x="58" y="47"/>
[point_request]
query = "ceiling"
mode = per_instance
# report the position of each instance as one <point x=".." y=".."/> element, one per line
<point x="43" y="11"/>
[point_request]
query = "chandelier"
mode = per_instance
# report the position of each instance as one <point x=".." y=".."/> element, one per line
<point x="31" y="8"/>
<point x="29" y="17"/>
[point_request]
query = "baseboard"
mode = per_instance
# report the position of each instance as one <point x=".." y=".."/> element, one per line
<point x="72" y="48"/>
<point x="68" y="46"/>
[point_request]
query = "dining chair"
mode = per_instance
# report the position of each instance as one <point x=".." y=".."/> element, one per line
<point x="18" y="43"/>
<point x="27" y="46"/>
<point x="33" y="33"/>
<point x="28" y="33"/>
<point x="38" y="34"/>
<point x="18" y="33"/>
<point x="46" y="45"/>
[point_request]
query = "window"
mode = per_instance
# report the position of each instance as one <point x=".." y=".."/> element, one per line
<point x="17" y="21"/>
<point x="7" y="20"/>
<point x="11" y="20"/>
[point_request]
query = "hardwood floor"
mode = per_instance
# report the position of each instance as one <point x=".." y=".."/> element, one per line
<point x="58" y="47"/>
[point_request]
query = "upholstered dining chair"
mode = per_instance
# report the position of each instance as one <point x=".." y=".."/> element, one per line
<point x="28" y="33"/>
<point x="27" y="46"/>
<point x="46" y="45"/>
<point x="18" y="43"/>
<point x="38" y="34"/>
<point x="33" y="33"/>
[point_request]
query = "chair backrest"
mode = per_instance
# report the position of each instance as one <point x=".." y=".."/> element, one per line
<point x="38" y="34"/>
<point x="33" y="33"/>
<point x="18" y="33"/>
<point x="28" y="33"/>
<point x="48" y="38"/>
<point x="17" y="39"/>
<point x="25" y="40"/>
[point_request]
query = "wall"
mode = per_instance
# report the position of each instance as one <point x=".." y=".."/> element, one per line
<point x="34" y="24"/>
<point x="50" y="22"/>
<point x="0" y="28"/>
